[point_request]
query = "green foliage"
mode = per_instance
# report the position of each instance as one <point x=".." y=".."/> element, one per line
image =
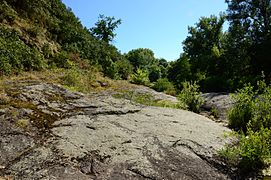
<point x="7" y="13"/>
<point x="33" y="31"/>
<point x="62" y="60"/>
<point x="125" y="69"/>
<point x="154" y="73"/>
<point x="51" y="18"/>
<point x="251" y="17"/>
<point x="249" y="37"/>
<point x="191" y="96"/>
<point x="141" y="58"/>
<point x="179" y="71"/>
<point x="110" y="68"/>
<point x="252" y="151"/>
<point x="140" y="77"/>
<point x="79" y="80"/>
<point x="241" y="113"/>
<point x="204" y="44"/>
<point x="163" y="65"/>
<point x="163" y="85"/>
<point x="17" y="56"/>
<point x="214" y="112"/>
<point x="105" y="28"/>
<point x="252" y="108"/>
<point x="255" y="148"/>
<point x="261" y="114"/>
<point x="252" y="115"/>
<point x="71" y="78"/>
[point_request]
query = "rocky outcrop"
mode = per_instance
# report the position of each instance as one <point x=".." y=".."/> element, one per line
<point x="48" y="132"/>
<point x="217" y="105"/>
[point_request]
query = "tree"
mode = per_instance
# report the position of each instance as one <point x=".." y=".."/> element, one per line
<point x="105" y="27"/>
<point x="163" y="65"/>
<point x="204" y="46"/>
<point x="180" y="71"/>
<point x="254" y="16"/>
<point x="141" y="58"/>
<point x="250" y="28"/>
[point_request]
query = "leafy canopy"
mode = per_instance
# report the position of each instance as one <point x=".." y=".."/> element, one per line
<point x="105" y="27"/>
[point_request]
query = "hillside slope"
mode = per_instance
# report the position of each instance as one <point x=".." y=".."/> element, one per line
<point x="40" y="34"/>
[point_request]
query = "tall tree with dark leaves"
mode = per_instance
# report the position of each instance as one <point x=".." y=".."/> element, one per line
<point x="250" y="28"/>
<point x="203" y="46"/>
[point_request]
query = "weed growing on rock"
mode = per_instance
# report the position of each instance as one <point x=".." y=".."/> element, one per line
<point x="214" y="112"/>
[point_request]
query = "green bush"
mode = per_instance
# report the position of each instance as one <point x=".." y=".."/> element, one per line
<point x="140" y="77"/>
<point x="72" y="78"/>
<point x="241" y="113"/>
<point x="255" y="148"/>
<point x="252" y="115"/>
<point x="5" y="66"/>
<point x="17" y="56"/>
<point x="33" y="31"/>
<point x="252" y="151"/>
<point x="125" y="68"/>
<point x="7" y="13"/>
<point x="261" y="111"/>
<point x="62" y="60"/>
<point x="252" y="108"/>
<point x="109" y="68"/>
<point x="154" y="73"/>
<point x="191" y="96"/>
<point x="163" y="85"/>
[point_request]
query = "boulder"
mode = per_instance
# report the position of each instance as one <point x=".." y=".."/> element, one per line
<point x="95" y="136"/>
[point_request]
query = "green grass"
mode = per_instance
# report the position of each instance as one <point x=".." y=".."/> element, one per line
<point x="147" y="100"/>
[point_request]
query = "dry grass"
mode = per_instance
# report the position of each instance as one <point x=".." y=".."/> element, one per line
<point x="73" y="79"/>
<point x="6" y="177"/>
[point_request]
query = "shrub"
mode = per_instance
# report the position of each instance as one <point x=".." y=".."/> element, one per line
<point x="62" y="60"/>
<point x="154" y="73"/>
<point x="80" y="80"/>
<point x="255" y="148"/>
<point x="140" y="77"/>
<point x="109" y="68"/>
<point x="7" y="13"/>
<point x="33" y="31"/>
<point x="252" y="151"/>
<point x="71" y="78"/>
<point x="163" y="85"/>
<point x="241" y="113"/>
<point x="17" y="56"/>
<point x="252" y="115"/>
<point x="191" y="96"/>
<point x="261" y="111"/>
<point x="125" y="68"/>
<point x="5" y="66"/>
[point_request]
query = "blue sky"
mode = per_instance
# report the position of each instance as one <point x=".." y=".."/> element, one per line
<point x="160" y="25"/>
